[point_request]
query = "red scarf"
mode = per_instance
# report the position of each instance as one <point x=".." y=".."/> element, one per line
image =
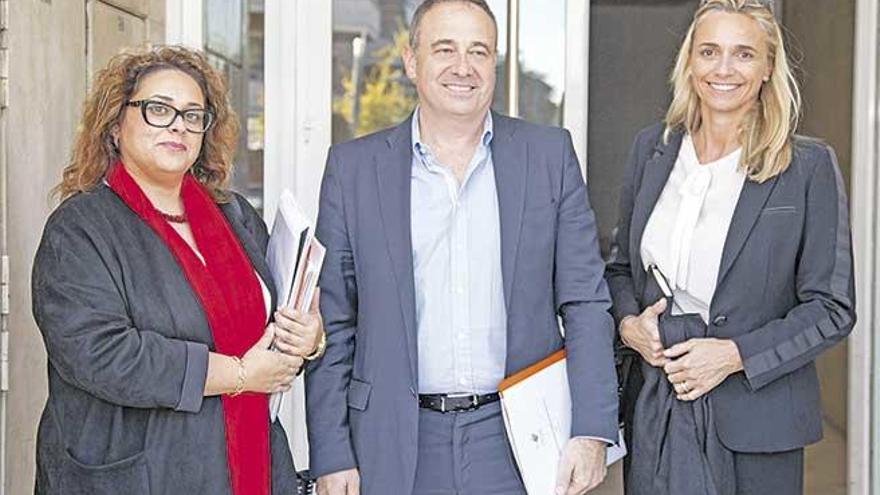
<point x="232" y="300"/>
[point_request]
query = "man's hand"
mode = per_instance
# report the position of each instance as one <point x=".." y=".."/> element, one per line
<point x="346" y="482"/>
<point x="582" y="466"/>
<point x="699" y="365"/>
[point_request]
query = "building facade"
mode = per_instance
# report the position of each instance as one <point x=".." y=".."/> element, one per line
<point x="304" y="74"/>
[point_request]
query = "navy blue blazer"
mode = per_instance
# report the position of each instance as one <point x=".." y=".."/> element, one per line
<point x="361" y="396"/>
<point x="785" y="289"/>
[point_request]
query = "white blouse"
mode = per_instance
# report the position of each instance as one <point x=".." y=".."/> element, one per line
<point x="686" y="232"/>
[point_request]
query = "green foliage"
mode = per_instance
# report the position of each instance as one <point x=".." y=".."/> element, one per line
<point x="387" y="97"/>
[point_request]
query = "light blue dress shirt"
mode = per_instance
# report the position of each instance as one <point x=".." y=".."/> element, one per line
<point x="456" y="241"/>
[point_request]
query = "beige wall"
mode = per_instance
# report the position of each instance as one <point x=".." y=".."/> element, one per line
<point x="49" y="58"/>
<point x="822" y="33"/>
<point x="47" y="83"/>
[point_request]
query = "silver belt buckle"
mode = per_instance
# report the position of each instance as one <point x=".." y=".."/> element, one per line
<point x="473" y="397"/>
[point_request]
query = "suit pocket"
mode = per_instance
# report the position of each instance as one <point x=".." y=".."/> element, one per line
<point x="359" y="394"/>
<point x="776" y="210"/>
<point x="128" y="476"/>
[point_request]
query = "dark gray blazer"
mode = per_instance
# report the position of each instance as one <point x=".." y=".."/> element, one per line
<point x="128" y="347"/>
<point x="361" y="396"/>
<point x="785" y="289"/>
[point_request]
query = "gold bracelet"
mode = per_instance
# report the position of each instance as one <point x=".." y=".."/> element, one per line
<point x="239" y="384"/>
<point x="322" y="346"/>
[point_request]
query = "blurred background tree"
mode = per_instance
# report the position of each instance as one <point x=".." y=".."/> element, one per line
<point x="385" y="97"/>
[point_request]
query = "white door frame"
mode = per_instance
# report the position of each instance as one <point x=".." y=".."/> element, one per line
<point x="577" y="75"/>
<point x="298" y="50"/>
<point x="184" y="23"/>
<point x="864" y="387"/>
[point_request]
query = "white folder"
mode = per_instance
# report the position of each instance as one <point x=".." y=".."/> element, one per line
<point x="292" y="233"/>
<point x="295" y="258"/>
<point x="536" y="403"/>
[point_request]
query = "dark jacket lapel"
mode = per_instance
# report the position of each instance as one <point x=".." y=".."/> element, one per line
<point x="510" y="161"/>
<point x="748" y="209"/>
<point x="393" y="174"/>
<point x="654" y="176"/>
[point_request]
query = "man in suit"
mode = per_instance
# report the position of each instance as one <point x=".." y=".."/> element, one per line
<point x="454" y="241"/>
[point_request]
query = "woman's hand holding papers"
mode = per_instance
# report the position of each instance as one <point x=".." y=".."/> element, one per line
<point x="300" y="334"/>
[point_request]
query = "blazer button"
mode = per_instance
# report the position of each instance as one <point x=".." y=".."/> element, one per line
<point x="719" y="321"/>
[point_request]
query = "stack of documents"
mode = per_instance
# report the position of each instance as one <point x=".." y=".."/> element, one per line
<point x="294" y="254"/>
<point x="295" y="258"/>
<point x="536" y="403"/>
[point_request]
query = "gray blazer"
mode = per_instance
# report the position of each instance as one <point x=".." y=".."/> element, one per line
<point x="785" y="289"/>
<point x="361" y="396"/>
<point x="128" y="347"/>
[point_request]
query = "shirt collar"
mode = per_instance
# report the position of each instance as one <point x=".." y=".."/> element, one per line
<point x="727" y="165"/>
<point x="421" y="149"/>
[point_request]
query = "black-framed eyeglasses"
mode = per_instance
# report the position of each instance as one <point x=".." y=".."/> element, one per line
<point x="162" y="115"/>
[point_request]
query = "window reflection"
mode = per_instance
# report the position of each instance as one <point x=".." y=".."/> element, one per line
<point x="223" y="27"/>
<point x="541" y="59"/>
<point x="234" y="44"/>
<point x="370" y="89"/>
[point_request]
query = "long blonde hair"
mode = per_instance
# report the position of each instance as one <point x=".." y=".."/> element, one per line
<point x="766" y="132"/>
<point x="94" y="150"/>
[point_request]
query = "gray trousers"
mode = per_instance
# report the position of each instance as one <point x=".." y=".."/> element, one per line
<point x="465" y="453"/>
<point x="779" y="473"/>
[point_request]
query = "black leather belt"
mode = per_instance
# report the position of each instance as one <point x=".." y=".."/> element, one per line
<point x="455" y="402"/>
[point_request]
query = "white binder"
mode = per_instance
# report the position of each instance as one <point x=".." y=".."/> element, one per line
<point x="536" y="403"/>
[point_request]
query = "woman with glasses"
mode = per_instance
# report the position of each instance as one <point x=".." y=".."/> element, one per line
<point x="734" y="269"/>
<point x="154" y="300"/>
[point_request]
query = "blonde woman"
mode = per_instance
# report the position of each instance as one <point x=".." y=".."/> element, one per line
<point x="734" y="270"/>
<point x="154" y="300"/>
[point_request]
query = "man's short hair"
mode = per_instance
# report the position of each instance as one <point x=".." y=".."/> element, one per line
<point x="429" y="4"/>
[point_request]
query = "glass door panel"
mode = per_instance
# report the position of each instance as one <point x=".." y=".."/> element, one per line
<point x="234" y="44"/>
<point x="632" y="47"/>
